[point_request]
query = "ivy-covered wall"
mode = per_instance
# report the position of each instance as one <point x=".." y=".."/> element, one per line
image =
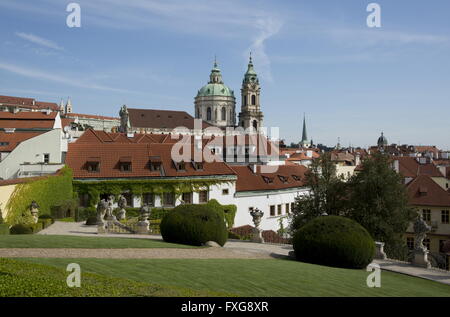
<point x="47" y="192"/>
<point x="116" y="187"/>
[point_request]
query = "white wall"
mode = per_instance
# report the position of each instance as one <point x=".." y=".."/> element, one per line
<point x="263" y="200"/>
<point x="32" y="151"/>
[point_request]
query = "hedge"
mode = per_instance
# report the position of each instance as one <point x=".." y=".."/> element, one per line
<point x="4" y="229"/>
<point x="47" y="192"/>
<point x="334" y="241"/>
<point x="195" y="224"/>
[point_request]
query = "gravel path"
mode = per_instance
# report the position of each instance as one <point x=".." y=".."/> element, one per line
<point x="233" y="249"/>
<point x="157" y="253"/>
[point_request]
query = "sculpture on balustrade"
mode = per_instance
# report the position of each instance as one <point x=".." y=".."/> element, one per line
<point x="420" y="251"/>
<point x="34" y="209"/>
<point x="122" y="203"/>
<point x="257" y="233"/>
<point x="143" y="225"/>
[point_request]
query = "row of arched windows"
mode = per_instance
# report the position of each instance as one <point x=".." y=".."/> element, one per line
<point x="253" y="100"/>
<point x="223" y="114"/>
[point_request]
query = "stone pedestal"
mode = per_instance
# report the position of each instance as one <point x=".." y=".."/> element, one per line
<point x="421" y="259"/>
<point x="257" y="236"/>
<point x="101" y="228"/>
<point x="143" y="227"/>
<point x="380" y="254"/>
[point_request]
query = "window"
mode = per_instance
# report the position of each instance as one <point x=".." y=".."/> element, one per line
<point x="46" y="158"/>
<point x="208" y="114"/>
<point x="441" y="246"/>
<point x="253" y="100"/>
<point x="426" y="243"/>
<point x="187" y="198"/>
<point x="410" y="243"/>
<point x="268" y="180"/>
<point x="426" y="214"/>
<point x="169" y="199"/>
<point x="224" y="114"/>
<point x="292" y="206"/>
<point x="125" y="166"/>
<point x="180" y="166"/>
<point x="93" y="167"/>
<point x="84" y="200"/>
<point x="148" y="199"/>
<point x="198" y="166"/>
<point x="155" y="166"/>
<point x="245" y="100"/>
<point x="4" y="143"/>
<point x="280" y="209"/>
<point x="225" y="191"/>
<point x="129" y="199"/>
<point x="445" y="216"/>
<point x="255" y="124"/>
<point x="283" y="179"/>
<point x="272" y="211"/>
<point x="296" y="177"/>
<point x="287" y="208"/>
<point x="203" y="197"/>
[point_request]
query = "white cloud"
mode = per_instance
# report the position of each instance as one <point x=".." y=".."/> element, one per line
<point x="67" y="80"/>
<point x="39" y="41"/>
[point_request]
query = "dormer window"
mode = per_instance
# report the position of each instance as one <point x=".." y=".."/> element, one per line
<point x="296" y="178"/>
<point x="268" y="180"/>
<point x="180" y="166"/>
<point x="198" y="166"/>
<point x="283" y="179"/>
<point x="155" y="163"/>
<point x="93" y="165"/>
<point x="125" y="164"/>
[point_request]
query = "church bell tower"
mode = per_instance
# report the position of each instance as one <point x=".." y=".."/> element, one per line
<point x="251" y="115"/>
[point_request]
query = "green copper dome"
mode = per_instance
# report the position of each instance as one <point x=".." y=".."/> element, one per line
<point x="215" y="87"/>
<point x="215" y="90"/>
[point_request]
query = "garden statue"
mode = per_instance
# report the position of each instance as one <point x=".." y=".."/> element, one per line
<point x="122" y="203"/>
<point x="420" y="229"/>
<point x="34" y="209"/>
<point x="257" y="215"/>
<point x="420" y="251"/>
<point x="143" y="225"/>
<point x="101" y="211"/>
<point x="109" y="210"/>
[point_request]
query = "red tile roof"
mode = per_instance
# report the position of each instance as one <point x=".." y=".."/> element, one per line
<point x="423" y="191"/>
<point x="161" y="119"/>
<point x="27" y="120"/>
<point x="249" y="181"/>
<point x="109" y="155"/>
<point x="29" y="103"/>
<point x="410" y="167"/>
<point x="14" y="139"/>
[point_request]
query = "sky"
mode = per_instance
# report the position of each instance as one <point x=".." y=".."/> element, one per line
<point x="315" y="57"/>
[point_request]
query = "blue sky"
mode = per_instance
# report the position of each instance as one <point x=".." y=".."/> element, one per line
<point x="317" y="57"/>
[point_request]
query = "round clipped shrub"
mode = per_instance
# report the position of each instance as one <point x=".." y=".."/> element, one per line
<point x="21" y="229"/>
<point x="91" y="221"/>
<point x="334" y="241"/>
<point x="194" y="225"/>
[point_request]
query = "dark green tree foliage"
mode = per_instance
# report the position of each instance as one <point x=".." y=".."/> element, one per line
<point x="195" y="224"/>
<point x="379" y="202"/>
<point x="334" y="241"/>
<point x="327" y="193"/>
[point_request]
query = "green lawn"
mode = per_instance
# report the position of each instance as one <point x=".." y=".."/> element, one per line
<point x="55" y="241"/>
<point x="256" y="278"/>
<point x="19" y="279"/>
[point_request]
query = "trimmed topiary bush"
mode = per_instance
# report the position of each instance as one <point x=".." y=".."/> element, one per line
<point x="195" y="224"/>
<point x="334" y="241"/>
<point x="4" y="229"/>
<point x="91" y="221"/>
<point x="21" y="229"/>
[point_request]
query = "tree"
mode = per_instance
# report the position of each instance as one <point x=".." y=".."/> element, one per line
<point x="378" y="201"/>
<point x="327" y="193"/>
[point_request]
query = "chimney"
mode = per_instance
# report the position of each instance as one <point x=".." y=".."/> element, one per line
<point x="397" y="166"/>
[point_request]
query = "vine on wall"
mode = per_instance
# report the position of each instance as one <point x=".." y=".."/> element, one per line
<point x="47" y="192"/>
<point x="138" y="187"/>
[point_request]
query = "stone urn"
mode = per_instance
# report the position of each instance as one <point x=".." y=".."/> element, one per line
<point x="257" y="233"/>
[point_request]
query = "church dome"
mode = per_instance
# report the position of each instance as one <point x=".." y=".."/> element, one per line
<point x="382" y="141"/>
<point x="215" y="86"/>
<point x="215" y="90"/>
